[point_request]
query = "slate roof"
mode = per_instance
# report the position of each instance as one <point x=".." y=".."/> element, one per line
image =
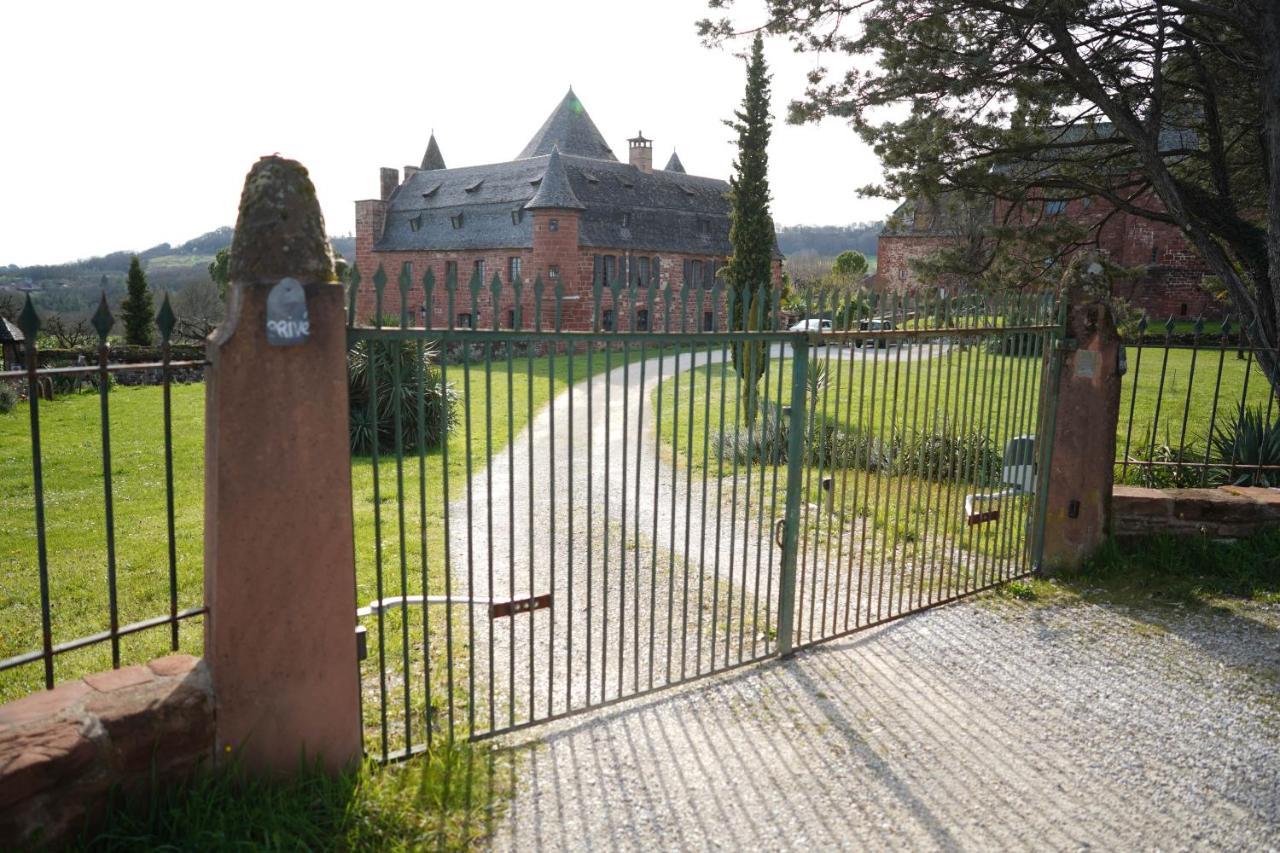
<point x="9" y="333"/>
<point x="554" y="190"/>
<point x="570" y="129"/>
<point x="674" y="164"/>
<point x="665" y="211"/>
<point x="433" y="159"/>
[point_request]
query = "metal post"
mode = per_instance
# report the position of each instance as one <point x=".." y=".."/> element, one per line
<point x="791" y="529"/>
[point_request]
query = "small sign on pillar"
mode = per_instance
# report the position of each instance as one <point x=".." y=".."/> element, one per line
<point x="287" y="321"/>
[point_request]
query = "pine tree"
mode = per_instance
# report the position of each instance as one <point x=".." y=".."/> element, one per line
<point x="749" y="272"/>
<point x="137" y="307"/>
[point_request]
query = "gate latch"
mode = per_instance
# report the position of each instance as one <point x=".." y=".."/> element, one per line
<point x="520" y="605"/>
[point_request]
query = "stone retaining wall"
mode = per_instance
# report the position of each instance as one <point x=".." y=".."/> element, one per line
<point x="62" y="751"/>
<point x="1229" y="512"/>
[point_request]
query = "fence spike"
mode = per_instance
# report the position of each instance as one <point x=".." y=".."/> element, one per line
<point x="29" y="320"/>
<point x="537" y="302"/>
<point x="429" y="305"/>
<point x="406" y="283"/>
<point x="558" y="290"/>
<point x="165" y="318"/>
<point x="379" y="285"/>
<point x="517" y="294"/>
<point x="667" y="296"/>
<point x="495" y="290"/>
<point x="102" y="320"/>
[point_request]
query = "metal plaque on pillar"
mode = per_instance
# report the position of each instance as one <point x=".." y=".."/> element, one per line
<point x="287" y="321"/>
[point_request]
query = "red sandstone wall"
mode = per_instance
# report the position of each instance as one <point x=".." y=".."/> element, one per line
<point x="63" y="750"/>
<point x="1173" y="271"/>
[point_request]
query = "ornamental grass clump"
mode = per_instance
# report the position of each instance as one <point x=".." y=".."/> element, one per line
<point x="1250" y="448"/>
<point x="421" y="391"/>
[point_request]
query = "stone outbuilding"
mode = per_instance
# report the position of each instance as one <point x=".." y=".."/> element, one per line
<point x="12" y="342"/>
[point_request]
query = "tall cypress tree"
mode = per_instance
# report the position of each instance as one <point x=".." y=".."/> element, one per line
<point x="749" y="272"/>
<point x="137" y="307"/>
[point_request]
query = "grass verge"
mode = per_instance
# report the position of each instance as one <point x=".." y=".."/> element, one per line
<point x="444" y="800"/>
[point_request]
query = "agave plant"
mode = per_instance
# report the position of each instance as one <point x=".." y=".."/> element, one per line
<point x="817" y="378"/>
<point x="372" y="367"/>
<point x="1249" y="447"/>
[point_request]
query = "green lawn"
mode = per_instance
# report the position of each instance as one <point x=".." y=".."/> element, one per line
<point x="75" y="517"/>
<point x="1185" y="392"/>
<point x="76" y="529"/>
<point x="446" y="800"/>
<point x="964" y="390"/>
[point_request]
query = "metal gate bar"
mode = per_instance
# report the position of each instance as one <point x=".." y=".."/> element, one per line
<point x="621" y="518"/>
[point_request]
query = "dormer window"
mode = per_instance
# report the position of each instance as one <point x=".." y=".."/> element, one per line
<point x="591" y="178"/>
<point x="431" y="190"/>
<point x="456" y="220"/>
<point x="415" y="222"/>
<point x="474" y="185"/>
<point x="517" y="216"/>
<point x="704" y="227"/>
<point x="628" y="183"/>
<point x="626" y="219"/>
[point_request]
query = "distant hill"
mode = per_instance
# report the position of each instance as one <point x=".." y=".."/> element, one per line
<point x="73" y="288"/>
<point x="827" y="241"/>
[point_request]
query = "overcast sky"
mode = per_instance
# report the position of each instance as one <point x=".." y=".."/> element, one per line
<point x="127" y="124"/>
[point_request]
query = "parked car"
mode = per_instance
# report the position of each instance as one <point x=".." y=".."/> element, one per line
<point x="812" y="325"/>
<point x="875" y="325"/>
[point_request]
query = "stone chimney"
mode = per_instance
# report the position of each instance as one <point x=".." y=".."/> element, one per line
<point x="409" y="172"/>
<point x="390" y="179"/>
<point x="641" y="153"/>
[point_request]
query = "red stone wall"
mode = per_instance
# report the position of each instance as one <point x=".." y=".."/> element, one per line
<point x="1226" y="513"/>
<point x="62" y="751"/>
<point x="1171" y="275"/>
<point x="894" y="255"/>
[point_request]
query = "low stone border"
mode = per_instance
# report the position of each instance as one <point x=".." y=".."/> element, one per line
<point x="1229" y="512"/>
<point x="62" y="751"/>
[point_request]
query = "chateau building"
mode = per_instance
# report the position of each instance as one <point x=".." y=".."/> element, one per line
<point x="565" y="209"/>
<point x="1170" y="273"/>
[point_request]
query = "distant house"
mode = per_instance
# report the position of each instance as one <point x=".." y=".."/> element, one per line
<point x="565" y="209"/>
<point x="1171" y="272"/>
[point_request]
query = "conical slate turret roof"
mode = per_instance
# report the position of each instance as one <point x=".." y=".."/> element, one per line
<point x="674" y="164"/>
<point x="570" y="129"/>
<point x="433" y="159"/>
<point x="554" y="191"/>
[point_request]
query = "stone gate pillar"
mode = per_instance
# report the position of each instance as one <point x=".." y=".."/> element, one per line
<point x="1083" y="451"/>
<point x="279" y="576"/>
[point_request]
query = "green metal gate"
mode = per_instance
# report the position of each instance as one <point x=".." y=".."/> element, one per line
<point x="562" y="503"/>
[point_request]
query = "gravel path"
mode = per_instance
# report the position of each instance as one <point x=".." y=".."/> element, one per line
<point x="983" y="725"/>
<point x="979" y="725"/>
<point x="656" y="571"/>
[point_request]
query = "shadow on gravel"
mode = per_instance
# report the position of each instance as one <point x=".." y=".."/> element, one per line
<point x="1009" y="725"/>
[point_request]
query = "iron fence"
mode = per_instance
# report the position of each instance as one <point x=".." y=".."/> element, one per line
<point x="1197" y="409"/>
<point x="636" y="492"/>
<point x="42" y="384"/>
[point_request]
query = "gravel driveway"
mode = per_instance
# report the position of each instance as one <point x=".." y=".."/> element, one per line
<point x="981" y="725"/>
<point x="986" y="724"/>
